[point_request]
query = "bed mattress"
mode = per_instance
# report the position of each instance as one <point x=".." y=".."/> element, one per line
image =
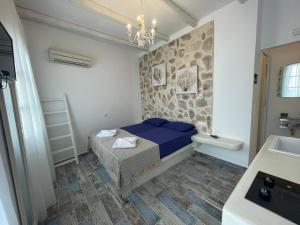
<point x="169" y="140"/>
<point x="124" y="165"/>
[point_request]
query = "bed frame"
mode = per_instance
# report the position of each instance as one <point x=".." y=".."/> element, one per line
<point x="166" y="163"/>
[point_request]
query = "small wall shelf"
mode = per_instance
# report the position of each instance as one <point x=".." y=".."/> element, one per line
<point x="219" y="142"/>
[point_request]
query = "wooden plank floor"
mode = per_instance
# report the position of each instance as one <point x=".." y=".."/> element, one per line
<point x="193" y="192"/>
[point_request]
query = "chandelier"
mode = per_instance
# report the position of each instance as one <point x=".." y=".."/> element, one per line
<point x="142" y="35"/>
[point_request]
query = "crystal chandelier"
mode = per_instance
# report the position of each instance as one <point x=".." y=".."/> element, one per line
<point x="143" y="35"/>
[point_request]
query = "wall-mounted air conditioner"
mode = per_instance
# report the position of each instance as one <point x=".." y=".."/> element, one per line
<point x="58" y="56"/>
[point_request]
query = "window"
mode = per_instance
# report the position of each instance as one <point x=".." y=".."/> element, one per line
<point x="290" y="79"/>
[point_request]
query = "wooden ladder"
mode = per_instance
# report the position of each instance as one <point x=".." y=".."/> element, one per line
<point x="60" y="130"/>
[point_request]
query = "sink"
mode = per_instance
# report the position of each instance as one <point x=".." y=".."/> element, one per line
<point x="286" y="145"/>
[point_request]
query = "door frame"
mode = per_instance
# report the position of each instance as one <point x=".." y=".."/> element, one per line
<point x="263" y="98"/>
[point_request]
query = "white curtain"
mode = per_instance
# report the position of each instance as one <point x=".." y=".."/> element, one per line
<point x="291" y="81"/>
<point x="34" y="131"/>
<point x="8" y="210"/>
<point x="8" y="213"/>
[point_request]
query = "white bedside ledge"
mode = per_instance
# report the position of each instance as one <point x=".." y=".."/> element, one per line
<point x="219" y="142"/>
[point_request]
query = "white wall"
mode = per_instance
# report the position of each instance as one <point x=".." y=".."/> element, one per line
<point x="110" y="86"/>
<point x="276" y="21"/>
<point x="235" y="42"/>
<point x="280" y="17"/>
<point x="279" y="57"/>
<point x="234" y="62"/>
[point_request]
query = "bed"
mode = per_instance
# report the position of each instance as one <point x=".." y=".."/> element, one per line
<point x="161" y="144"/>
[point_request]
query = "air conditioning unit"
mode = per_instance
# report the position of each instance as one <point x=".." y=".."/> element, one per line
<point x="59" y="56"/>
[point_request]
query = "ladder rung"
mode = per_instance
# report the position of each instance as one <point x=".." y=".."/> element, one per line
<point x="63" y="150"/>
<point x="60" y="137"/>
<point x="66" y="155"/>
<point x="64" y="162"/>
<point x="52" y="99"/>
<point x="54" y="112"/>
<point x="57" y="125"/>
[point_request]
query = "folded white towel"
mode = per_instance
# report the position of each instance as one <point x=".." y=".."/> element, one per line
<point x="125" y="142"/>
<point x="107" y="133"/>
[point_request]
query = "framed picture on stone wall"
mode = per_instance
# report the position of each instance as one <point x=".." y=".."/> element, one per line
<point x="159" y="75"/>
<point x="186" y="80"/>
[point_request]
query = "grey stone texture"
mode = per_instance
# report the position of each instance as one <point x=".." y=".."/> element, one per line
<point x="195" y="48"/>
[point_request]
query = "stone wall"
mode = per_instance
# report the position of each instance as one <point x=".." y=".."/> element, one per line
<point x="195" y="48"/>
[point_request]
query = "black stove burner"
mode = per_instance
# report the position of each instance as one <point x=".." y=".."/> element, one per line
<point x="277" y="195"/>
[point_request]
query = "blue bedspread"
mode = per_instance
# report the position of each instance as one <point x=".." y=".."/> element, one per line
<point x="138" y="128"/>
<point x="169" y="140"/>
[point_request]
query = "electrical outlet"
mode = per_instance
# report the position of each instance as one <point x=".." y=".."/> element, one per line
<point x="296" y="31"/>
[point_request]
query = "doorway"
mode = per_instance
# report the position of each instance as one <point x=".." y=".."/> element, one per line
<point x="272" y="104"/>
<point x="263" y="99"/>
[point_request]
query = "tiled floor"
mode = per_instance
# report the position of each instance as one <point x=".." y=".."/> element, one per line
<point x="192" y="192"/>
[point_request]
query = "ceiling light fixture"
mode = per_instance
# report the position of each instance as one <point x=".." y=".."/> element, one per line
<point x="142" y="36"/>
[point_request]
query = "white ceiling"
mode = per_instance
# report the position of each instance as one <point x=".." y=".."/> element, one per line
<point x="168" y="22"/>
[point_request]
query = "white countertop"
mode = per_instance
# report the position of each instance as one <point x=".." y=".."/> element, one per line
<point x="240" y="211"/>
